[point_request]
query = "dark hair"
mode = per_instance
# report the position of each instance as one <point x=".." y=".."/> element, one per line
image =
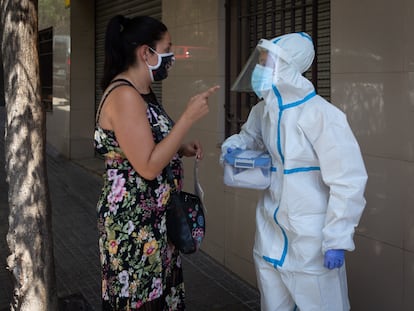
<point x="123" y="36"/>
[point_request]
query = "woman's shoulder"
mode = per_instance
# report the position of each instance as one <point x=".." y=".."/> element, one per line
<point x="124" y="94"/>
<point x="123" y="103"/>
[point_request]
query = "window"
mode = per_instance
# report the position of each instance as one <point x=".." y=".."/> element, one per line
<point x="61" y="66"/>
<point x="46" y="66"/>
<point x="247" y="21"/>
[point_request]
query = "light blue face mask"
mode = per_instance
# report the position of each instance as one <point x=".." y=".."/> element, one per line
<point x="262" y="77"/>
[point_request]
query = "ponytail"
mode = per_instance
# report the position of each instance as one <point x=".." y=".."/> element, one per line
<point x="114" y="62"/>
<point x="123" y="36"/>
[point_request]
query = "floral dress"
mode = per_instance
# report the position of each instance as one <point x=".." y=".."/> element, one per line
<point x="140" y="269"/>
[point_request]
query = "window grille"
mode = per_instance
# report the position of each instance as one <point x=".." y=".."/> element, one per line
<point x="247" y="21"/>
<point x="46" y="66"/>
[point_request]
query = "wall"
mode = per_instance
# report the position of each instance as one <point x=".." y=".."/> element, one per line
<point x="373" y="82"/>
<point x="54" y="14"/>
<point x="70" y="123"/>
<point x="197" y="30"/>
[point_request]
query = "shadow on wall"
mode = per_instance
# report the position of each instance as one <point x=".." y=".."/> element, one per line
<point x="369" y="97"/>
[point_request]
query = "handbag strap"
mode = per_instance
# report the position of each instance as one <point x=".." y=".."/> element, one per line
<point x="197" y="188"/>
<point x="170" y="177"/>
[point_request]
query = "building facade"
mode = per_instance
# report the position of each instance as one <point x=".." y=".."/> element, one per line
<point x="367" y="71"/>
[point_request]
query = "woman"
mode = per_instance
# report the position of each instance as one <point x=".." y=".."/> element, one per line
<point x="140" y="269"/>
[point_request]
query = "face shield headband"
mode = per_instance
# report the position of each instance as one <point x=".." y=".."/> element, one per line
<point x="159" y="71"/>
<point x="261" y="68"/>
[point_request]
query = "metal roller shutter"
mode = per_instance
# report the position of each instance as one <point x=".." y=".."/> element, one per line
<point x="105" y="10"/>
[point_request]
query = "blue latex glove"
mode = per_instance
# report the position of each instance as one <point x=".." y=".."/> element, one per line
<point x="334" y="258"/>
<point x="230" y="150"/>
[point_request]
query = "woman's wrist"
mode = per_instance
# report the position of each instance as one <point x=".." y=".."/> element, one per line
<point x="181" y="151"/>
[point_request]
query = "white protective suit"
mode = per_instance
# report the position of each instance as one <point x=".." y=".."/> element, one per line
<point x="316" y="196"/>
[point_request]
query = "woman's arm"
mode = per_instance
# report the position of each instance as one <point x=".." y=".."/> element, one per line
<point x="126" y="112"/>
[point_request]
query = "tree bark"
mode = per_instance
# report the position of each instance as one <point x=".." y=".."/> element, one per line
<point x="30" y="228"/>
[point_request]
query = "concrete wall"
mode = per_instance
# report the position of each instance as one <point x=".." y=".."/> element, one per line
<point x="373" y="82"/>
<point x="58" y="118"/>
<point x="70" y="123"/>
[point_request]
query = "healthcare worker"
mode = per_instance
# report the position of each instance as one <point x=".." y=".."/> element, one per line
<point x="305" y="220"/>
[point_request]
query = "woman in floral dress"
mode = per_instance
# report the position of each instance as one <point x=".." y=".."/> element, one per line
<point x="141" y="270"/>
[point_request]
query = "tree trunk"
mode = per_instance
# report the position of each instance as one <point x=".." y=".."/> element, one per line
<point x="30" y="236"/>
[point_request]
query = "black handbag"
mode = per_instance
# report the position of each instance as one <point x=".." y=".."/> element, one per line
<point x="186" y="225"/>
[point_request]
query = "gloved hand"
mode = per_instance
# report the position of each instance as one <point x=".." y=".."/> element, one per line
<point x="231" y="149"/>
<point x="334" y="258"/>
<point x="224" y="151"/>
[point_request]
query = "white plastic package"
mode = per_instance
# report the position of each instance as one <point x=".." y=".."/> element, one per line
<point x="247" y="169"/>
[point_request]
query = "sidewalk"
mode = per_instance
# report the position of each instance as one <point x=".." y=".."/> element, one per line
<point x="74" y="190"/>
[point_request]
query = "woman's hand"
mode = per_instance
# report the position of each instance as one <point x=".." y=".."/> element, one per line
<point x="197" y="107"/>
<point x="191" y="149"/>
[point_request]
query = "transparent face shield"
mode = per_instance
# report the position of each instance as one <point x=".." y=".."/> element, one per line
<point x="260" y="70"/>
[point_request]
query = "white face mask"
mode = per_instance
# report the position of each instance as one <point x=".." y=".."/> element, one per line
<point x="159" y="71"/>
<point x="261" y="80"/>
